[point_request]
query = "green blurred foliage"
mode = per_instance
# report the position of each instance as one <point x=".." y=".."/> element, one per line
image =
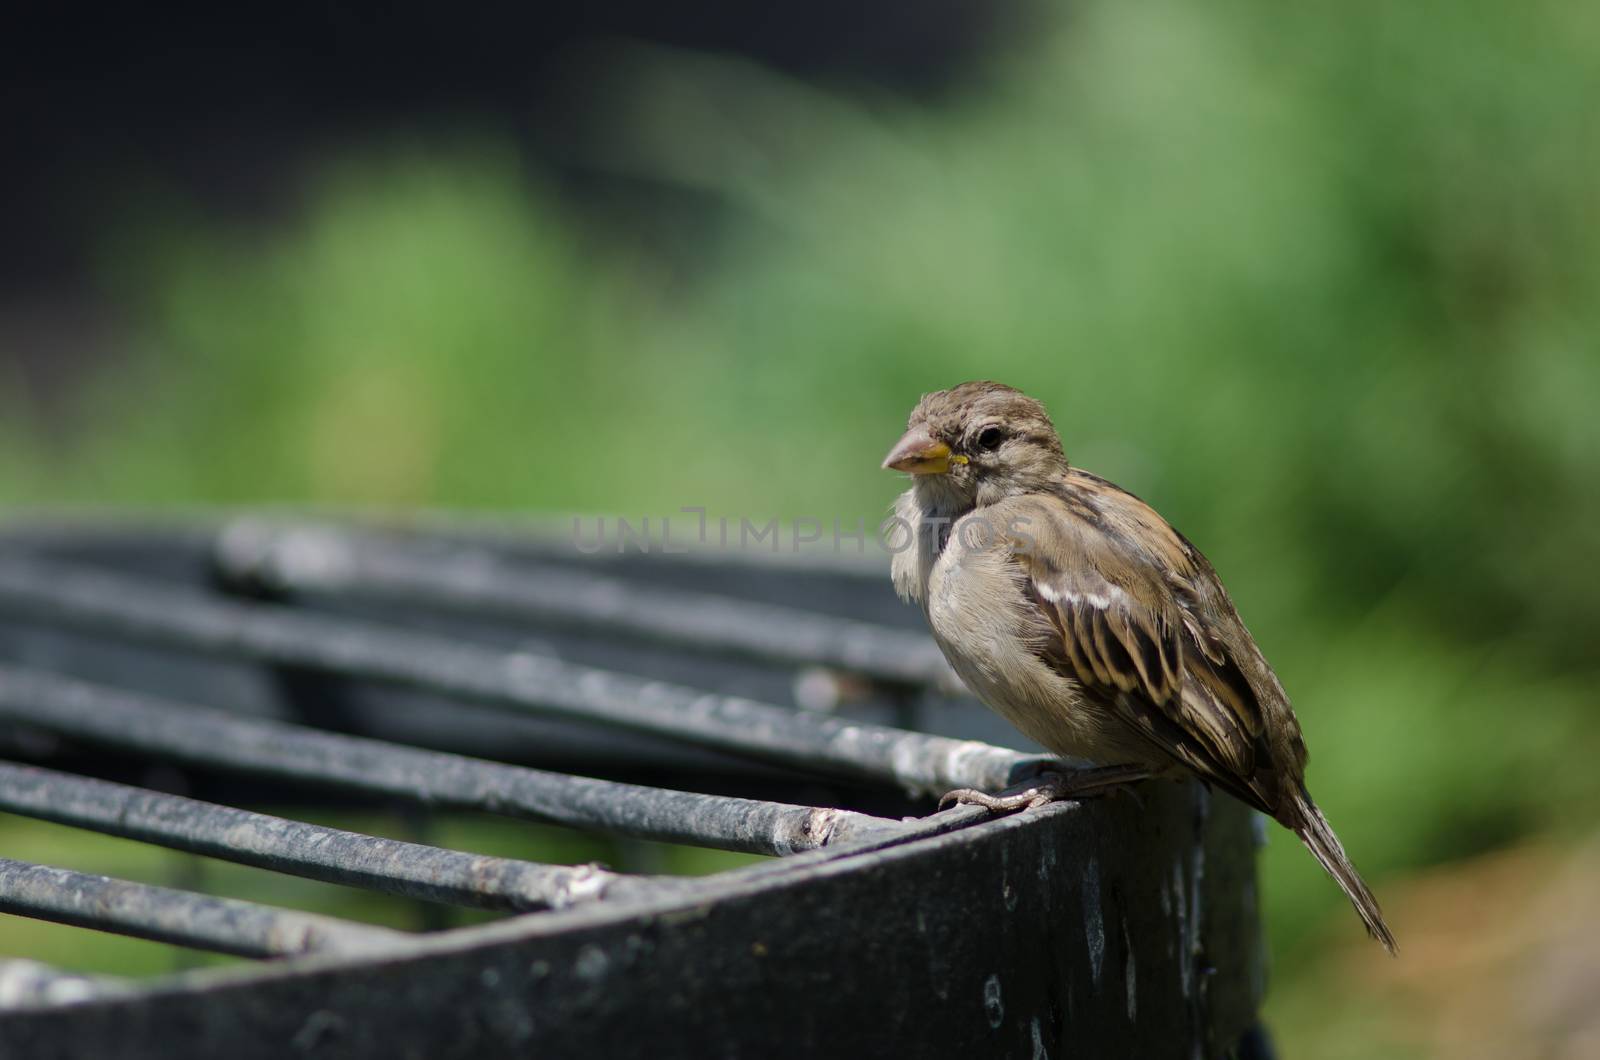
<point x="1321" y="284"/>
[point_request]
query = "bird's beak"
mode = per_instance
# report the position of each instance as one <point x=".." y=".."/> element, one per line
<point x="919" y="454"/>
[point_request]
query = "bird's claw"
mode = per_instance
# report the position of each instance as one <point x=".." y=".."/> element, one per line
<point x="1025" y="800"/>
<point x="1053" y="787"/>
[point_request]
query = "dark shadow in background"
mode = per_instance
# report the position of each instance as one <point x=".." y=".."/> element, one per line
<point x="216" y="107"/>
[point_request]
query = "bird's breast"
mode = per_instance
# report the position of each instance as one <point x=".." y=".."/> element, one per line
<point x="986" y="626"/>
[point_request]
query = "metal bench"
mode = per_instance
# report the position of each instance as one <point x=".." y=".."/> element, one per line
<point x="452" y="668"/>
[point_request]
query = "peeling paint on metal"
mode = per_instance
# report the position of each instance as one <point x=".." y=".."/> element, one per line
<point x="1094" y="927"/>
<point x="992" y="1005"/>
<point x="1180" y="898"/>
<point x="592" y="963"/>
<point x="1130" y="976"/>
<point x="1039" y="1051"/>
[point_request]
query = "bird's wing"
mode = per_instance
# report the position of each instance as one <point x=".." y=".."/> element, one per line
<point x="1144" y="625"/>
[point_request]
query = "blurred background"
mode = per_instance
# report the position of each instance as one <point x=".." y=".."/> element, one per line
<point x="1320" y="284"/>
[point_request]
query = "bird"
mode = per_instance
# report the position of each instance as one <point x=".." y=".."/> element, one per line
<point x="1076" y="612"/>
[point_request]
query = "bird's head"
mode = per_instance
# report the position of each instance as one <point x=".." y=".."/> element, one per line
<point x="975" y="444"/>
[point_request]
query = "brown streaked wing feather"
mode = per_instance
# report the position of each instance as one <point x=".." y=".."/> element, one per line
<point x="1111" y="639"/>
<point x="1100" y="568"/>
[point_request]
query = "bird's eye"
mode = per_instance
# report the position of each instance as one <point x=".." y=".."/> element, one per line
<point x="989" y="438"/>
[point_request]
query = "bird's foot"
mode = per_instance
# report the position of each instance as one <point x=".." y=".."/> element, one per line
<point x="1053" y="787"/>
<point x="1023" y="800"/>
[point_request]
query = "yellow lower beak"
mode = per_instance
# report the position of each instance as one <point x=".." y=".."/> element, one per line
<point x="919" y="454"/>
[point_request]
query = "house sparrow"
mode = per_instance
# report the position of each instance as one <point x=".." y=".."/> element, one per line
<point x="1073" y="610"/>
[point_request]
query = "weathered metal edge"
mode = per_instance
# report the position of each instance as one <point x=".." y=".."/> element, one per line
<point x="665" y="897"/>
<point x="1194" y="929"/>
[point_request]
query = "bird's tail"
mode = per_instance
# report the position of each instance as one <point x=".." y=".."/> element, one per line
<point x="1315" y="832"/>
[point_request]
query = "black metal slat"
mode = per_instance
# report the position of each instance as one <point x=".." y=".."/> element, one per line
<point x="153" y="613"/>
<point x="217" y="739"/>
<point x="328" y="560"/>
<point x="313" y="851"/>
<point x="201" y="921"/>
